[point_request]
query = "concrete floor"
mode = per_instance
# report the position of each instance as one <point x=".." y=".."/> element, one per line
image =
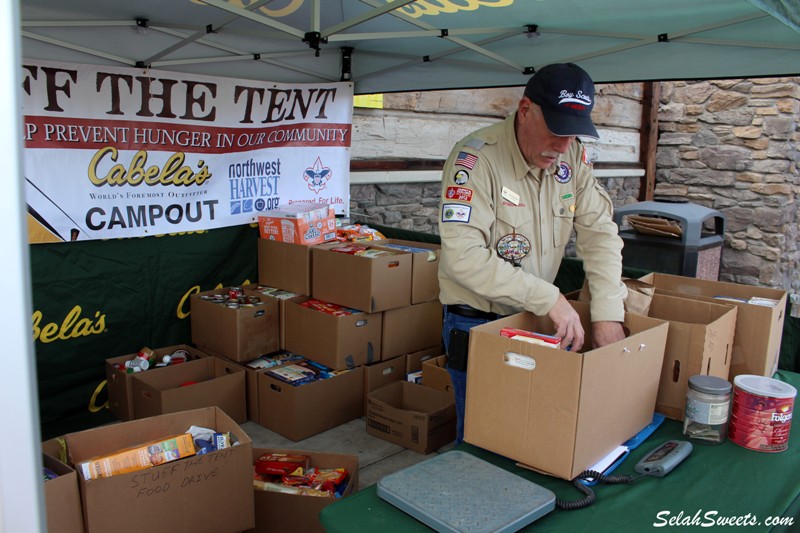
<point x="376" y="457"/>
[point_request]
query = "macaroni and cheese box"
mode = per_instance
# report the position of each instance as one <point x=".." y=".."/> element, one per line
<point x="305" y="223"/>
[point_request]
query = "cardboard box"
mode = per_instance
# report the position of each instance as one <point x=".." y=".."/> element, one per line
<point x="276" y="511"/>
<point x="424" y="269"/>
<point x="285" y="265"/>
<point x="239" y="334"/>
<point x="413" y="416"/>
<point x="560" y="412"/>
<point x="120" y="384"/>
<point x="377" y="375"/>
<point x="371" y="284"/>
<point x="311" y="408"/>
<point x="410" y="329"/>
<point x="62" y="499"/>
<point x="338" y="342"/>
<point x="299" y="223"/>
<point x="415" y="360"/>
<point x="217" y="382"/>
<point x="757" y="340"/>
<point x="210" y="493"/>
<point x="700" y="341"/>
<point x="282" y="296"/>
<point x="436" y="376"/>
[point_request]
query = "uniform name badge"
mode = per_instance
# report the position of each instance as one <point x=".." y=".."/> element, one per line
<point x="513" y="248"/>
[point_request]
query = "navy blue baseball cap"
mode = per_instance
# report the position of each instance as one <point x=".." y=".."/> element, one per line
<point x="565" y="92"/>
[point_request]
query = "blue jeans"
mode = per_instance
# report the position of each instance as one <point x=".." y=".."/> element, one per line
<point x="453" y="321"/>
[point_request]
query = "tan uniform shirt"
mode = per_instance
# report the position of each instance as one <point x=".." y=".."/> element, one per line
<point x="495" y="205"/>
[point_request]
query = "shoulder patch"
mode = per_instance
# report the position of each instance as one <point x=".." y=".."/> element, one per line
<point x="475" y="143"/>
<point x="456" y="213"/>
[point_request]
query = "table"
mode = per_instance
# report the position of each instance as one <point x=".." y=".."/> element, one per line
<point x="716" y="482"/>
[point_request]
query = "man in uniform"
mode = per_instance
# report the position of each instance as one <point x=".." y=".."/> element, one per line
<point x="511" y="195"/>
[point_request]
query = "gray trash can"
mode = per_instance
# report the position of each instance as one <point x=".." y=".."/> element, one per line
<point x="698" y="251"/>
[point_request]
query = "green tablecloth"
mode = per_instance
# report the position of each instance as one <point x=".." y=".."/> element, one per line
<point x="716" y="482"/>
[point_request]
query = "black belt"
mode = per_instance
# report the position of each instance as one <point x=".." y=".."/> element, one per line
<point x="471" y="312"/>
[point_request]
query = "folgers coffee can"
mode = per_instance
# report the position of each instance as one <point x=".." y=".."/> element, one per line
<point x="761" y="416"/>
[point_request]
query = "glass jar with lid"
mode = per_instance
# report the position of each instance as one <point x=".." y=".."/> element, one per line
<point x="708" y="401"/>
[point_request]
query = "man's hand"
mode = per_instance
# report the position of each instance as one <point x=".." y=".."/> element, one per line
<point x="568" y="324"/>
<point x="606" y="332"/>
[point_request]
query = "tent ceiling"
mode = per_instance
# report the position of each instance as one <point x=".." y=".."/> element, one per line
<point x="406" y="45"/>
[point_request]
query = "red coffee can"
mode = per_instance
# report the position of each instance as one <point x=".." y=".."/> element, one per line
<point x="761" y="416"/>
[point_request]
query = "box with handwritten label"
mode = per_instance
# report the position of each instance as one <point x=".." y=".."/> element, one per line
<point x="210" y="491"/>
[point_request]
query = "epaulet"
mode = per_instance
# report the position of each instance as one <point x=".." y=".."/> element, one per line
<point x="475" y="143"/>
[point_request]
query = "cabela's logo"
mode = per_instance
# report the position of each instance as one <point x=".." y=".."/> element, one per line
<point x="317" y="176"/>
<point x="72" y="327"/>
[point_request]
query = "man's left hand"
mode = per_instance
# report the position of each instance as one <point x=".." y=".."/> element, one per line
<point x="606" y="332"/>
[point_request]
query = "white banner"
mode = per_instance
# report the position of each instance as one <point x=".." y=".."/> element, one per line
<point x="121" y="152"/>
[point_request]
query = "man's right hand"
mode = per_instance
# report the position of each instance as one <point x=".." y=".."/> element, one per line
<point x="568" y="324"/>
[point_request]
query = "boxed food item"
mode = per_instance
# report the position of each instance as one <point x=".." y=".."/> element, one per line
<point x="375" y="280"/>
<point x="236" y="323"/>
<point x="413" y="416"/>
<point x="302" y="223"/>
<point x="300" y="411"/>
<point x="210" y="492"/>
<point x="278" y="510"/>
<point x="202" y="383"/>
<point x="62" y="499"/>
<point x="134" y="458"/>
<point x="559" y="411"/>
<point x="411" y="328"/>
<point x="338" y="339"/>
<point x="759" y="319"/>
<point x="119" y="379"/>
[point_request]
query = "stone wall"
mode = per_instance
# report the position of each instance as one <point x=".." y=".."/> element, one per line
<point x="732" y="145"/>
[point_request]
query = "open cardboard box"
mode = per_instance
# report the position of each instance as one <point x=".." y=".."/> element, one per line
<point x="436" y="376"/>
<point x="560" y="412"/>
<point x="757" y="340"/>
<point x="338" y="342"/>
<point x="700" y="341"/>
<point x="120" y="384"/>
<point x="202" y="383"/>
<point x="239" y="334"/>
<point x="371" y="284"/>
<point x="413" y="416"/>
<point x="297" y="412"/>
<point x="285" y="265"/>
<point x="62" y="499"/>
<point x="411" y="328"/>
<point x="424" y="269"/>
<point x="277" y="511"/>
<point x="210" y="493"/>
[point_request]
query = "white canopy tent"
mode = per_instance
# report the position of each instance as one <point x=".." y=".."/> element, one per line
<point x="381" y="46"/>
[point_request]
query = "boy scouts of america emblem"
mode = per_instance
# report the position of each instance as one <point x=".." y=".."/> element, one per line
<point x="513" y="247"/>
<point x="563" y="173"/>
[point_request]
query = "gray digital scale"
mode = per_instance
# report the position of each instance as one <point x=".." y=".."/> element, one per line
<point x="457" y="492"/>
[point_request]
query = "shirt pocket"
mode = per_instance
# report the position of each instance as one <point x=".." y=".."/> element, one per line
<point x="513" y="220"/>
<point x="563" y="219"/>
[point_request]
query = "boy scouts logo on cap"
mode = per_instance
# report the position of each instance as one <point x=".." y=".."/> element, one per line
<point x="563" y="173"/>
<point x="461" y="177"/>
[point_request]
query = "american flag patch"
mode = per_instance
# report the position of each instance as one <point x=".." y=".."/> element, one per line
<point x="466" y="160"/>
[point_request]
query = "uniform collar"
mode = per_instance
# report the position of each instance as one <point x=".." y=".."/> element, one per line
<point x="521" y="167"/>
